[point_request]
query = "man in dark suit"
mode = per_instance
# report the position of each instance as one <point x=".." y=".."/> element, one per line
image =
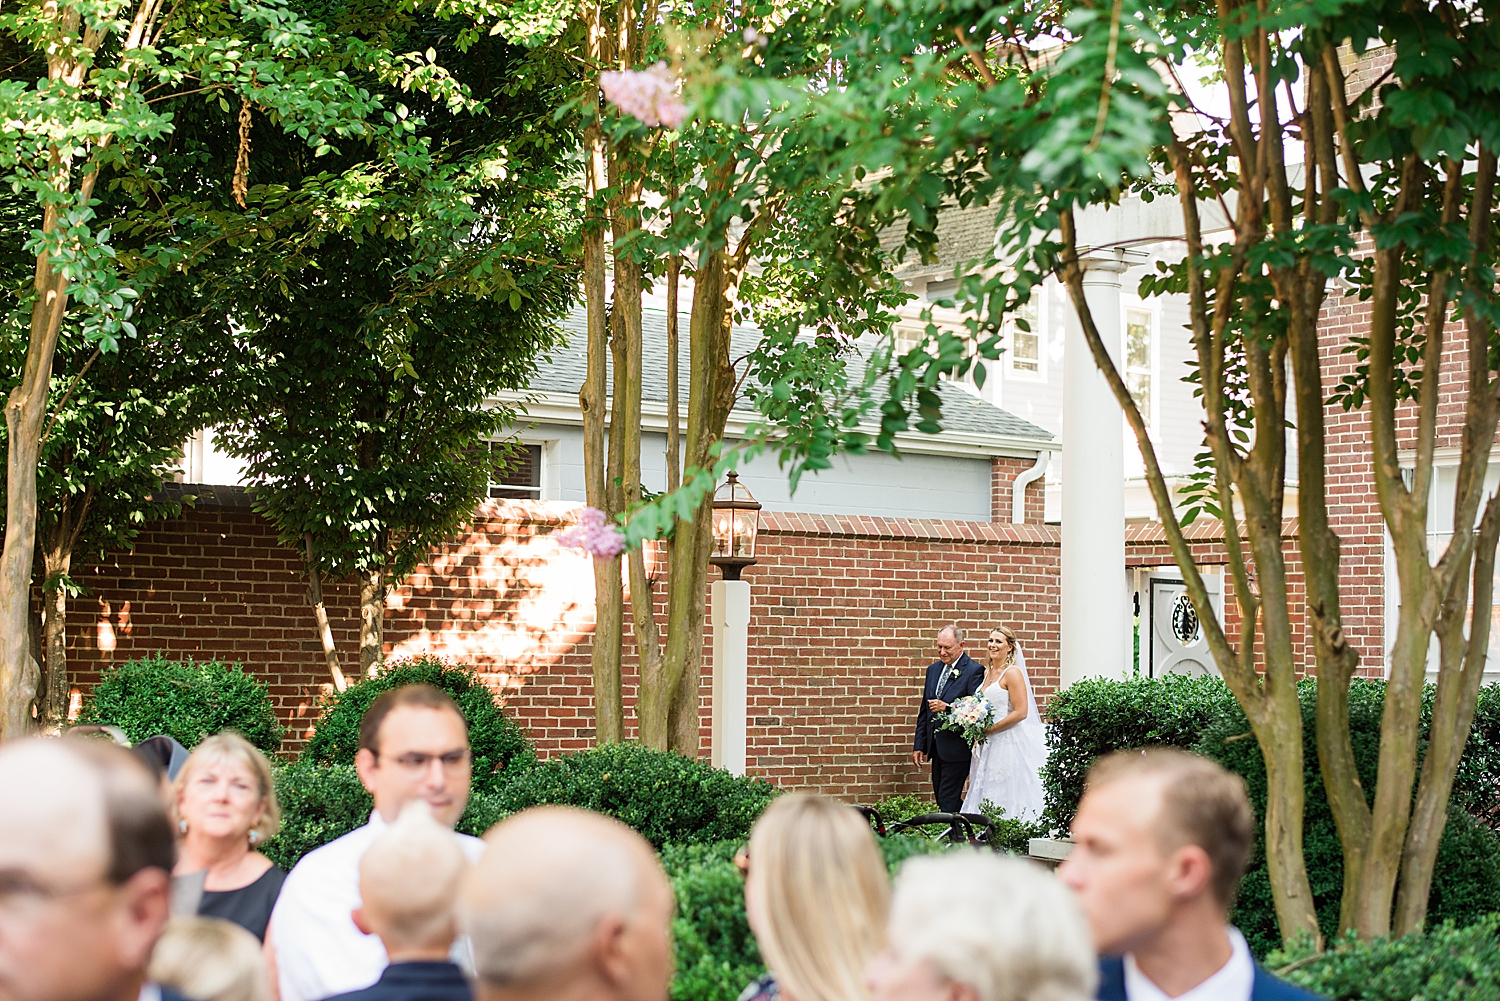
<point x="1161" y="840"/>
<point x="953" y="676"/>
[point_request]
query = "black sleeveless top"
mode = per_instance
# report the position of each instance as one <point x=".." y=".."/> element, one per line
<point x="249" y="906"/>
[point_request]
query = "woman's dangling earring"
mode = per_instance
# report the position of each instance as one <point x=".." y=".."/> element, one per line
<point x="182" y="826"/>
<point x="254" y="837"/>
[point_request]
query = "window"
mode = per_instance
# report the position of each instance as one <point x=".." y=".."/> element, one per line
<point x="1024" y="327"/>
<point x="942" y="290"/>
<point x="1138" y="367"/>
<point x="516" y="470"/>
<point x="1440" y="499"/>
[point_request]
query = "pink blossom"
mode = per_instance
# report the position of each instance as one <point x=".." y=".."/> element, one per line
<point x="650" y="95"/>
<point x="594" y="535"/>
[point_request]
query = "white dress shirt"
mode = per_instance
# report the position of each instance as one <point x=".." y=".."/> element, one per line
<point x="319" y="951"/>
<point x="1234" y="981"/>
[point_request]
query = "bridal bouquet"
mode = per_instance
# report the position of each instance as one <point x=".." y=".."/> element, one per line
<point x="969" y="717"/>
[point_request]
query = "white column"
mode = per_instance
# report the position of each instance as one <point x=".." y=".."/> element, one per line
<point x="731" y="669"/>
<point x="1095" y="624"/>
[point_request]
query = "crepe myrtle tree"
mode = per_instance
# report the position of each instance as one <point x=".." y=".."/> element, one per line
<point x="94" y="92"/>
<point x="977" y="103"/>
<point x="747" y="218"/>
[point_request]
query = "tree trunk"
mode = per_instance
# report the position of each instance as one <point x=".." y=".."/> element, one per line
<point x="25" y="412"/>
<point x="609" y="712"/>
<point x="371" y="622"/>
<point x="57" y="563"/>
<point x="711" y="386"/>
<point x="320" y="615"/>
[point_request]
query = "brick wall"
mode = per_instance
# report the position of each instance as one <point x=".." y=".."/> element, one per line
<point x="1003" y="473"/>
<point x="844" y="618"/>
<point x="845" y="612"/>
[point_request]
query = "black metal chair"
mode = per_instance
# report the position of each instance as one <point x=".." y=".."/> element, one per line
<point x="962" y="828"/>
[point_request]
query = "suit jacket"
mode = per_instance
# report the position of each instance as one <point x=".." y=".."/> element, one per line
<point x="941" y="684"/>
<point x="415" y="981"/>
<point x="1265" y="987"/>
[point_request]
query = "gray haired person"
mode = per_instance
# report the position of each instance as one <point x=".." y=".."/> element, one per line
<point x="972" y="926"/>
<point x="568" y="904"/>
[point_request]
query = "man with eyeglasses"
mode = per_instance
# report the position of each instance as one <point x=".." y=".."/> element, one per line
<point x="85" y="856"/>
<point x="413" y="744"/>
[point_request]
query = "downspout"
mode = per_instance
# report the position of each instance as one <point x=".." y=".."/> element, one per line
<point x="1021" y="482"/>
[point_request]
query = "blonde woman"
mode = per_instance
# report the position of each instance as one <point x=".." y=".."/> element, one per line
<point x="210" y="959"/>
<point x="1007" y="765"/>
<point x="226" y="805"/>
<point x="816" y="894"/>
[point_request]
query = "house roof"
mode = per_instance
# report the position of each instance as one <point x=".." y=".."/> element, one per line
<point x="562" y="376"/>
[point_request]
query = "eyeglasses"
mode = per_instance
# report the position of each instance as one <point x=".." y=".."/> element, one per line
<point x="420" y="761"/>
<point x="742" y="861"/>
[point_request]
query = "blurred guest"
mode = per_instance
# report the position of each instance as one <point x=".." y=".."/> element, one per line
<point x="567" y="904"/>
<point x="1161" y="840"/>
<point x="974" y="926"/>
<point x="226" y="804"/>
<point x="817" y="897"/>
<point x="408" y="887"/>
<point x="166" y="751"/>
<point x="413" y="744"/>
<point x="85" y="857"/>
<point x="210" y="959"/>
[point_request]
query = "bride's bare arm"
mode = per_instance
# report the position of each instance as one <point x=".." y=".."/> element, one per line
<point x="1015" y="687"/>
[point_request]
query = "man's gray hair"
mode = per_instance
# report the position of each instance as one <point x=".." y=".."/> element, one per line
<point x="958" y="634"/>
<point x="1002" y="926"/>
<point x="532" y="916"/>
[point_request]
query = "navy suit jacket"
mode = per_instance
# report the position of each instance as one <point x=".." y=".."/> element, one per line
<point x="418" y="981"/>
<point x="941" y="684"/>
<point x="1265" y="988"/>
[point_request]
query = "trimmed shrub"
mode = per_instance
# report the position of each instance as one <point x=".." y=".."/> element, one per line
<point x="185" y="699"/>
<point x="716" y="953"/>
<point x="500" y="749"/>
<point x="322" y="802"/>
<point x="1466" y="882"/>
<point x="664" y="796"/>
<point x="1448" y="963"/>
<point x="1094" y="716"/>
<point x="318" y="803"/>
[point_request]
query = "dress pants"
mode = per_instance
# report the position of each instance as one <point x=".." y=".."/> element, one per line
<point x="948" y="782"/>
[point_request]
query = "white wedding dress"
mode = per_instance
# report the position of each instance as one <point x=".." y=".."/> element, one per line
<point x="1007" y="766"/>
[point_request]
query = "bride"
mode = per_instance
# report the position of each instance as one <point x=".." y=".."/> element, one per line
<point x="1007" y="764"/>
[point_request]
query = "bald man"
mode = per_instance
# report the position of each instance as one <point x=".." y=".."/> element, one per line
<point x="85" y="856"/>
<point x="408" y="888"/>
<point x="568" y="904"/>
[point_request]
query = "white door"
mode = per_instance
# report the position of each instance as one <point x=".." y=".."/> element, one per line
<point x="1178" y="644"/>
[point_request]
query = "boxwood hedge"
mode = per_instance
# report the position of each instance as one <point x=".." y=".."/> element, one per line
<point x="500" y="748"/>
<point x="185" y="699"/>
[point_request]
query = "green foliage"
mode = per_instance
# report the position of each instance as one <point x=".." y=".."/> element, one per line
<point x="716" y="953"/>
<point x="1466" y="879"/>
<point x="665" y="796"/>
<point x="318" y="804"/>
<point x="499" y="747"/>
<point x="1447" y="963"/>
<point x="185" y="699"/>
<point x="1092" y="717"/>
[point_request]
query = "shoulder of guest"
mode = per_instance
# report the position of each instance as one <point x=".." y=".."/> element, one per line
<point x="472" y="847"/>
<point x="1269" y="987"/>
<point x="1111" y="978"/>
<point x="343" y="851"/>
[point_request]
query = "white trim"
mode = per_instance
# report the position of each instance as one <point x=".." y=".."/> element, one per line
<point x="560" y="409"/>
